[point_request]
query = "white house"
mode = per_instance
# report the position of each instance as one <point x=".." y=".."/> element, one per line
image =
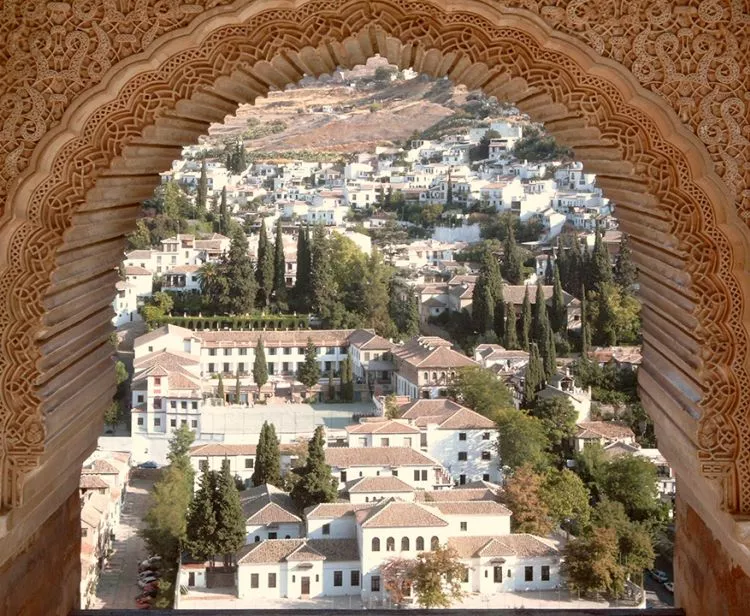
<point x="602" y="432"/>
<point x="375" y="489"/>
<point x="270" y="514"/>
<point x="564" y="386"/>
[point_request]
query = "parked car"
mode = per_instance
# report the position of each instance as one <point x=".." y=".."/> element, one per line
<point x="669" y="586"/>
<point x="149" y="464"/>
<point x="148" y="573"/>
<point x="147" y="594"/>
<point x="148" y="580"/>
<point x="659" y="576"/>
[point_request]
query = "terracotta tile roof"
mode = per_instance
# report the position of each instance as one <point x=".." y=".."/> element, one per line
<point x="611" y="430"/>
<point x="305" y="552"/>
<point x="475" y="507"/>
<point x="398" y="514"/>
<point x="171" y="360"/>
<point x="382" y="427"/>
<point x="101" y="467"/>
<point x="330" y="511"/>
<point x="463" y="279"/>
<point x="449" y="415"/>
<point x="519" y="545"/>
<point x="138" y="254"/>
<point x="623" y="355"/>
<point x="297" y="338"/>
<point x="423" y="407"/>
<point x="495" y="351"/>
<point x="434" y="302"/>
<point x="269" y="551"/>
<point x="455" y="495"/>
<point x="378" y="484"/>
<point x="183" y="269"/>
<point x="466" y="419"/>
<point x="91" y="481"/>
<point x="90" y="516"/>
<point x="132" y="270"/>
<point x="221" y="449"/>
<point x="365" y="340"/>
<point x="514" y="294"/>
<point x="345" y="457"/>
<point x="268" y="504"/>
<point x="296" y="550"/>
<point x="336" y="550"/>
<point x="420" y="356"/>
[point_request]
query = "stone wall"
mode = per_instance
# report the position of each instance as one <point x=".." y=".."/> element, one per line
<point x="43" y="579"/>
<point x="706" y="580"/>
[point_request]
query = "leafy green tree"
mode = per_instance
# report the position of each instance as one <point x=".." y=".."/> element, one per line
<point x="201" y="200"/>
<point x="616" y="316"/>
<point x="213" y="286"/>
<point x="480" y="390"/>
<point x="315" y="485"/>
<point x="511" y="266"/>
<point x="523" y="496"/>
<point x="375" y="296"/>
<point x="392" y="410"/>
<point x="140" y="238"/>
<point x="567" y="499"/>
<point x="437" y="577"/>
<point x="636" y="550"/>
<point x="625" y="272"/>
<point x="230" y="520"/>
<point x="590" y="564"/>
<point x="510" y="341"/>
<point x="237" y="269"/>
<point x="264" y="271"/>
<point x="631" y="480"/>
<point x="220" y="394"/>
<point x="347" y="379"/>
<point x="267" y="458"/>
<point x="590" y="465"/>
<point x="521" y="440"/>
<point x="558" y="312"/>
<point x="308" y="373"/>
<point x="279" y="266"/>
<point x="200" y="535"/>
<point x="260" y="367"/>
<point x="302" y="289"/>
<point x="403" y="308"/>
<point x="113" y="414"/>
<point x="559" y="420"/>
<point x="539" y="146"/>
<point x="526" y="320"/>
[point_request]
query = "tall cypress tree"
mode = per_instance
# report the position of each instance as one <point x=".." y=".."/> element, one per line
<point x="625" y="272"/>
<point x="308" y="373"/>
<point x="260" y="368"/>
<point x="500" y="318"/>
<point x="302" y="295"/>
<point x="575" y="267"/>
<point x="316" y="485"/>
<point x="534" y="379"/>
<point x="510" y="341"/>
<point x="237" y="389"/>
<point x="548" y="271"/>
<point x="201" y="520"/>
<point x="482" y="305"/>
<point x="325" y="293"/>
<point x="279" y="269"/>
<point x="224" y="213"/>
<point x="600" y="266"/>
<point x="230" y="520"/>
<point x="585" y="327"/>
<point x="547" y="351"/>
<point x="538" y="331"/>
<point x="220" y="390"/>
<point x="267" y="458"/>
<point x="558" y="312"/>
<point x="264" y="268"/>
<point x="526" y="320"/>
<point x="512" y="267"/>
<point x="238" y="289"/>
<point x="201" y="200"/>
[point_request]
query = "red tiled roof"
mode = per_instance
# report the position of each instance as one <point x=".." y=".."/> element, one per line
<point x="221" y="449"/>
<point x="397" y="514"/>
<point x="382" y="427"/>
<point x="604" y="429"/>
<point x="345" y="457"/>
<point x="378" y="484"/>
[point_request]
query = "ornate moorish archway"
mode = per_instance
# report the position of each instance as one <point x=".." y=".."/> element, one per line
<point x="99" y="98"/>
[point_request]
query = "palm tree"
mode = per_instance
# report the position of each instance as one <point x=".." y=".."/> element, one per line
<point x="207" y="275"/>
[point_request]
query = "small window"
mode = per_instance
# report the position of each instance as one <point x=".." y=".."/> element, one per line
<point x="326" y="530"/>
<point x="545" y="573"/>
<point x="139" y="421"/>
<point x="212" y="352"/>
<point x="434" y="543"/>
<point x="405" y="544"/>
<point x="465" y="576"/>
<point x="317" y="578"/>
<point x="157" y="422"/>
<point x="194" y="423"/>
<point x="424" y="475"/>
<point x="354" y="579"/>
<point x="84" y="532"/>
<point x="249" y="462"/>
<point x="157" y="403"/>
<point x="375" y="544"/>
<point x="486" y="455"/>
<point x="172" y="423"/>
<point x="140" y="398"/>
<point x="416" y="475"/>
<point x="462" y="436"/>
<point x="464" y="526"/>
<point x="173" y="404"/>
<point x="338" y="578"/>
<point x="420" y="544"/>
<point x="375" y="583"/>
<point x="486" y="436"/>
<point x="390" y="544"/>
<point x="486" y="477"/>
<point x="272" y="580"/>
<point x="498" y="574"/>
<point x="462" y="456"/>
<point x="272" y="535"/>
<point x="183" y="405"/>
<point x="243" y="351"/>
<point x="227" y="351"/>
<point x="528" y="574"/>
<point x="384" y="442"/>
<point x="254" y="580"/>
<point x="202" y="465"/>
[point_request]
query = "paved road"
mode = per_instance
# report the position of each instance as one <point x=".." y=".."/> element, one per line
<point x="117" y="585"/>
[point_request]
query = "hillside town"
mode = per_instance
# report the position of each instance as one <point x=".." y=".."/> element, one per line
<point x="340" y="373"/>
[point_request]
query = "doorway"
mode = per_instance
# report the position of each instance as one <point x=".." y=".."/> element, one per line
<point x="305" y="586"/>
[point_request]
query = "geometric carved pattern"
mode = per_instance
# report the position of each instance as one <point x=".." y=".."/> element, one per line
<point x="691" y="55"/>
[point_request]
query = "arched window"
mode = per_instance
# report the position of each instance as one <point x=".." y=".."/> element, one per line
<point x="390" y="544"/>
<point x="434" y="376"/>
<point x="420" y="544"/>
<point x="434" y="543"/>
<point x="405" y="544"/>
<point x="426" y="376"/>
<point x="375" y="544"/>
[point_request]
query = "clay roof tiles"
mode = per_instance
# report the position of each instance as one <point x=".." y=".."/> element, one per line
<point x="344" y="457"/>
<point x="378" y="484"/>
<point x="604" y="429"/>
<point x="397" y="514"/>
<point x="382" y="427"/>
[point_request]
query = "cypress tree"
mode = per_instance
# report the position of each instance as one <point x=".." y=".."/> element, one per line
<point x="349" y="375"/>
<point x="558" y="312"/>
<point x="331" y="386"/>
<point x="267" y="458"/>
<point x="260" y="368"/>
<point x="316" y="485"/>
<point x="230" y="520"/>
<point x="510" y="341"/>
<point x="482" y="305"/>
<point x="411" y="325"/>
<point x="548" y="271"/>
<point x="308" y="373"/>
<point x="201" y="201"/>
<point x="237" y="390"/>
<point x="533" y="381"/>
<point x="500" y="318"/>
<point x="525" y="320"/>
<point x="304" y="264"/>
<point x="223" y="213"/>
<point x="625" y="272"/>
<point x="585" y="327"/>
<point x="264" y="268"/>
<point x="538" y="332"/>
<point x="324" y="288"/>
<point x="575" y="267"/>
<point x="238" y="288"/>
<point x="220" y="390"/>
<point x="561" y="260"/>
<point x="512" y="267"/>
<point x="600" y="266"/>
<point x="548" y="352"/>
<point x="279" y="268"/>
<point x="201" y="521"/>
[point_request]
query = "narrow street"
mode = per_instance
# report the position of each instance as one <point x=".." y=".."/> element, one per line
<point x="117" y="585"/>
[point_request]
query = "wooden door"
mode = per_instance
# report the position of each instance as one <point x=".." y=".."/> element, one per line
<point x="305" y="586"/>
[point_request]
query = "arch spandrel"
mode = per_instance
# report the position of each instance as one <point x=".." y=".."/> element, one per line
<point x="193" y="58"/>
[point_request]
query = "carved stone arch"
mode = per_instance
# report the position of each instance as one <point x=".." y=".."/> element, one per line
<point x="90" y="153"/>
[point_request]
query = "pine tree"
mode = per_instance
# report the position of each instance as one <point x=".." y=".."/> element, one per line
<point x="625" y="272"/>
<point x="325" y="291"/>
<point x="538" y="332"/>
<point x="201" y="521"/>
<point x="585" y="328"/>
<point x="279" y="267"/>
<point x="510" y="341"/>
<point x="548" y="271"/>
<point x="260" y="368"/>
<point x="525" y="320"/>
<point x="600" y="267"/>
<point x="308" y="373"/>
<point x="512" y="267"/>
<point x="230" y="521"/>
<point x="236" y="271"/>
<point x="267" y="458"/>
<point x="224" y="219"/>
<point x="316" y="485"/>
<point x="220" y="390"/>
<point x="558" y="312"/>
<point x="237" y="389"/>
<point x="302" y="294"/>
<point x="201" y="201"/>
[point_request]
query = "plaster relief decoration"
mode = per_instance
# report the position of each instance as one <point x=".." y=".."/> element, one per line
<point x="59" y="133"/>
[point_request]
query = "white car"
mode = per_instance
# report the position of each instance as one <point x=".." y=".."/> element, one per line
<point x="147" y="580"/>
<point x="659" y="576"/>
<point x="669" y="586"/>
